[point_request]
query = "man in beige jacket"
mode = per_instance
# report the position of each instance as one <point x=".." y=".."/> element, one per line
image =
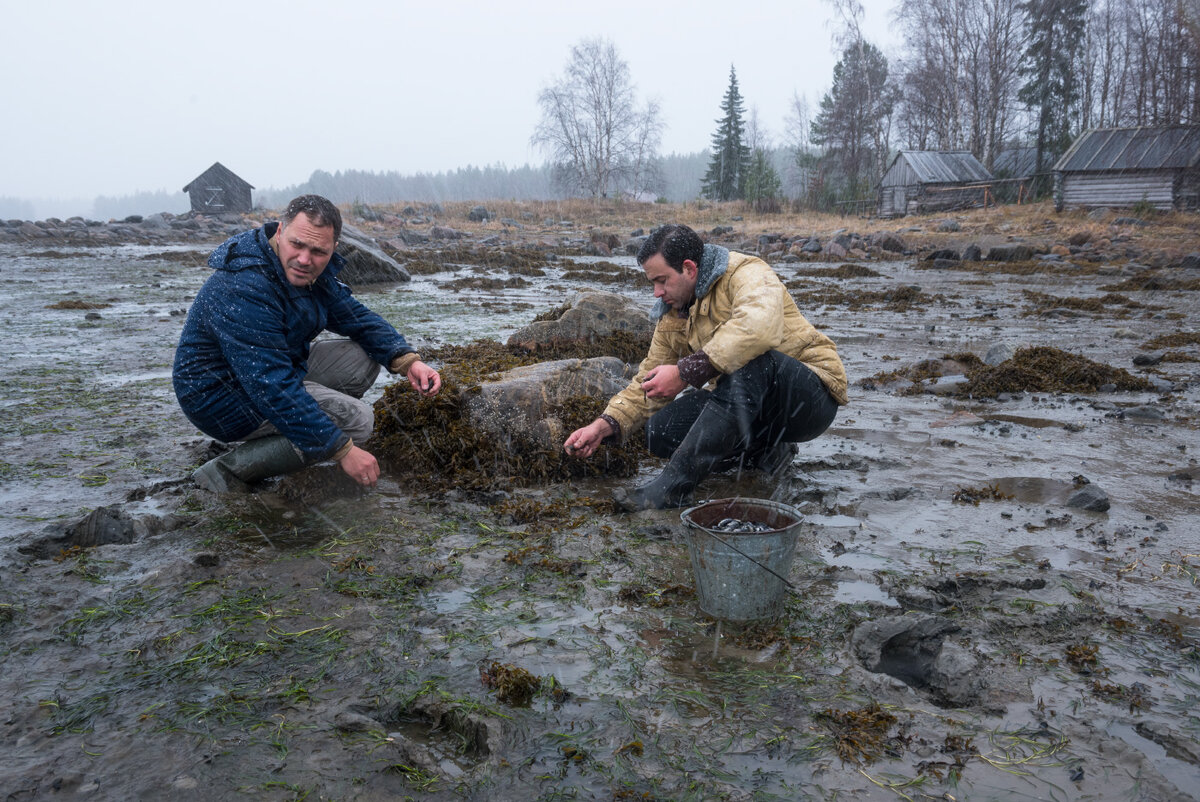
<point x="758" y="376"/>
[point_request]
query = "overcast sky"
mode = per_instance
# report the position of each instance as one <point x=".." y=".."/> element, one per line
<point x="116" y="97"/>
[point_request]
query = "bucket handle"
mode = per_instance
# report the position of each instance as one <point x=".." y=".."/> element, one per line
<point x="726" y="543"/>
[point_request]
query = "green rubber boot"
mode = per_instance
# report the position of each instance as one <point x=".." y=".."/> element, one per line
<point x="250" y="462"/>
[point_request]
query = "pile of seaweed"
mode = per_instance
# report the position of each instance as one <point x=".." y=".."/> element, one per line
<point x="1049" y="370"/>
<point x="430" y="443"/>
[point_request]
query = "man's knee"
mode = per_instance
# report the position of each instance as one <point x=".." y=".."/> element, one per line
<point x="342" y="365"/>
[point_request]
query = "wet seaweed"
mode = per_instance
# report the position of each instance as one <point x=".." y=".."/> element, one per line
<point x="79" y="305"/>
<point x="431" y="443"/>
<point x="1050" y="370"/>
<point x="841" y="271"/>
<point x="1172" y="340"/>
<point x="860" y="736"/>
<point x="1043" y="303"/>
<point x="1153" y="281"/>
<point x="514" y="686"/>
<point x="903" y="298"/>
<point x="974" y="495"/>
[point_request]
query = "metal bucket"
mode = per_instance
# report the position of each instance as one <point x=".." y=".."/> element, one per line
<point x="740" y="576"/>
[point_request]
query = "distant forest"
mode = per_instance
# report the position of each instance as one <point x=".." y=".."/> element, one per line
<point x="984" y="76"/>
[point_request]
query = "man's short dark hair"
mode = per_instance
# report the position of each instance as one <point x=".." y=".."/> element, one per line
<point x="317" y="209"/>
<point x="675" y="242"/>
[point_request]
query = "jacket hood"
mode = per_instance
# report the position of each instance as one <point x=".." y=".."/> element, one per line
<point x="253" y="249"/>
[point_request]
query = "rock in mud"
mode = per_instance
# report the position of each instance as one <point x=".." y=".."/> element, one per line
<point x="589" y="317"/>
<point x="1089" y="497"/>
<point x="519" y="401"/>
<point x="914" y="649"/>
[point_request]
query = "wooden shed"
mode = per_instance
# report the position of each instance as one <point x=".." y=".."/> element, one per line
<point x="931" y="180"/>
<point x="218" y="190"/>
<point x="1124" y="166"/>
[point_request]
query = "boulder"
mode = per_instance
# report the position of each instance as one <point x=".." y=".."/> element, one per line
<point x="1010" y="253"/>
<point x="588" y="317"/>
<point x="520" y="401"/>
<point x="889" y="241"/>
<point x="478" y="214"/>
<point x="972" y="253"/>
<point x="365" y="262"/>
<point x="943" y="253"/>
<point x="948" y="226"/>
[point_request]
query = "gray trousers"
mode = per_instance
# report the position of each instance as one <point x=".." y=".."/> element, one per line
<point x="339" y="374"/>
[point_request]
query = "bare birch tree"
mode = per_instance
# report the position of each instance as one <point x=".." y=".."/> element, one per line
<point x="598" y="138"/>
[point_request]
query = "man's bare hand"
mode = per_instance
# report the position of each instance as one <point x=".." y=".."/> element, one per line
<point x="663" y="382"/>
<point x="424" y="379"/>
<point x="584" y="442"/>
<point x="361" y="466"/>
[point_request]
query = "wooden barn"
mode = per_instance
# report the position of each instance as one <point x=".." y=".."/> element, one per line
<point x="218" y="190"/>
<point x="931" y="180"/>
<point x="1124" y="166"/>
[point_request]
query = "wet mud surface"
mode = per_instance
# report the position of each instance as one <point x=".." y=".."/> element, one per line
<point x="992" y="597"/>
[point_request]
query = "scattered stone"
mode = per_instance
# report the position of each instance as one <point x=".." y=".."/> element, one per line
<point x="478" y="214"/>
<point x="1000" y="352"/>
<point x="972" y="253"/>
<point x="948" y="226"/>
<point x="1089" y="497"/>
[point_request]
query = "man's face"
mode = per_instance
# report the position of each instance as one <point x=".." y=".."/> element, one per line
<point x="672" y="287"/>
<point x="305" y="249"/>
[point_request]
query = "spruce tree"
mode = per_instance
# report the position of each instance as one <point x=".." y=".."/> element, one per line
<point x="726" y="176"/>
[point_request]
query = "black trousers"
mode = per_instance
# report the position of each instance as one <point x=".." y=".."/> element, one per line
<point x="773" y="398"/>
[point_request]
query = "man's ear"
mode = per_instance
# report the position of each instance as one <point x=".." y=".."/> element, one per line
<point x="690" y="268"/>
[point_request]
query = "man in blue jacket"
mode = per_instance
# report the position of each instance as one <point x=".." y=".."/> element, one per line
<point x="247" y="368"/>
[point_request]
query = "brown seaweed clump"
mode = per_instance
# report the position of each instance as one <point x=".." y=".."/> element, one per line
<point x="78" y="305"/>
<point x="1048" y="370"/>
<point x="860" y="736"/>
<point x="431" y="443"/>
<point x="514" y="686"/>
<point x="841" y="271"/>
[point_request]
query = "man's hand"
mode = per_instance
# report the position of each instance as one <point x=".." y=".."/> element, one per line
<point x="584" y="442"/>
<point x="424" y="379"/>
<point x="663" y="382"/>
<point x="360" y="466"/>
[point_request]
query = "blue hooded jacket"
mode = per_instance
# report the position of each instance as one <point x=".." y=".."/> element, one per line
<point x="243" y="354"/>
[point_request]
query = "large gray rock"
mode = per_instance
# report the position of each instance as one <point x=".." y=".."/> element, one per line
<point x="365" y="262"/>
<point x="521" y="402"/>
<point x="591" y="316"/>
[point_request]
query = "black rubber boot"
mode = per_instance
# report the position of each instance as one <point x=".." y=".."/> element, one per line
<point x="250" y="462"/>
<point x="712" y="438"/>
<point x="773" y="459"/>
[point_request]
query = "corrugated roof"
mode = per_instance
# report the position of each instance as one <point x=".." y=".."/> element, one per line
<point x="944" y="166"/>
<point x="1168" y="148"/>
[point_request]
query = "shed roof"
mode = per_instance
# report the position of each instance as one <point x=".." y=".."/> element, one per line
<point x="944" y="166"/>
<point x="218" y="173"/>
<point x="1166" y="148"/>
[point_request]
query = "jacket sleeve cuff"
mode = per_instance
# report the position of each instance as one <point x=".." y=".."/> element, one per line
<point x="615" y="437"/>
<point x="343" y="450"/>
<point x="696" y="369"/>
<point x="401" y="363"/>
